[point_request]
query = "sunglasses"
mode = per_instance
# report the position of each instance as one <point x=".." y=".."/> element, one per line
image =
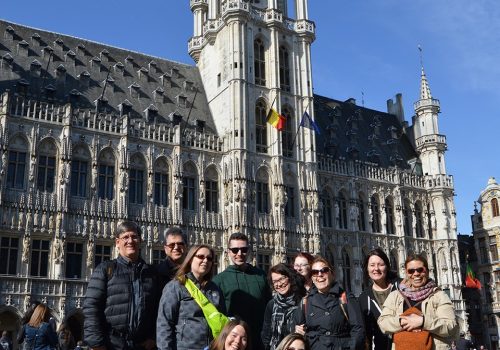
<point x="203" y="257"/>
<point x="419" y="270"/>
<point x="322" y="271"/>
<point x="178" y="244"/>
<point x="243" y="250"/>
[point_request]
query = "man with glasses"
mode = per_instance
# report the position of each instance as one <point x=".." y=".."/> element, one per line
<point x="121" y="301"/>
<point x="245" y="287"/>
<point x="175" y="248"/>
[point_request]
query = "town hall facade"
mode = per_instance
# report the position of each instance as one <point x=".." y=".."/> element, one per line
<point x="92" y="134"/>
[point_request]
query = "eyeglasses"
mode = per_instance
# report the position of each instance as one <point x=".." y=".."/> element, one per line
<point x="418" y="269"/>
<point x="299" y="266"/>
<point x="280" y="281"/>
<point x="134" y="238"/>
<point x="203" y="257"/>
<point x="322" y="271"/>
<point x="292" y="348"/>
<point x="235" y="250"/>
<point x="178" y="244"/>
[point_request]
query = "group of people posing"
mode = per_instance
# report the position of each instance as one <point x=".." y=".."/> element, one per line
<point x="181" y="305"/>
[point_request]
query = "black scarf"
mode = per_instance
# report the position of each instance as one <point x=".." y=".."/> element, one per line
<point x="282" y="322"/>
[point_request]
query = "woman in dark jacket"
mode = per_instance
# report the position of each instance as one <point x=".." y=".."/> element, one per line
<point x="377" y="267"/>
<point x="332" y="320"/>
<point x="38" y="332"/>
<point x="279" y="320"/>
<point x="181" y="324"/>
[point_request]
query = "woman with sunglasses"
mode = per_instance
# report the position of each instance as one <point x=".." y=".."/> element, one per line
<point x="302" y="264"/>
<point x="294" y="341"/>
<point x="331" y="319"/>
<point x="279" y="319"/>
<point x="181" y="323"/>
<point x="383" y="281"/>
<point x="417" y="306"/>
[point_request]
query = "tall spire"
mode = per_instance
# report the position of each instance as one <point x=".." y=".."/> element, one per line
<point x="425" y="90"/>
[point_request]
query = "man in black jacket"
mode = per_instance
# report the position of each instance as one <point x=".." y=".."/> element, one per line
<point x="121" y="301"/>
<point x="175" y="250"/>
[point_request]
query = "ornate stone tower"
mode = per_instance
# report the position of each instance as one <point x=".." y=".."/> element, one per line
<point x="252" y="56"/>
<point x="431" y="146"/>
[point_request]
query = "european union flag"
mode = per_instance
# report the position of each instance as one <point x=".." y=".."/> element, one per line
<point x="307" y="122"/>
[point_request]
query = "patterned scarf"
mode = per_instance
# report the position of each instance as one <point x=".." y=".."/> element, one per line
<point x="282" y="322"/>
<point x="417" y="294"/>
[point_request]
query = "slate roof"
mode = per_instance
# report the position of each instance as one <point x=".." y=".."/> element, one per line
<point x="355" y="132"/>
<point x="147" y="87"/>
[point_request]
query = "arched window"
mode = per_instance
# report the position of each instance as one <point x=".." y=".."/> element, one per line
<point x="346" y="268"/>
<point x="189" y="184"/>
<point x="46" y="174"/>
<point x="327" y="209"/>
<point x="287" y="134"/>
<point x="284" y="62"/>
<point x="374" y="207"/>
<point x="212" y="190"/>
<point x="260" y="127"/>
<point x="259" y="62"/>
<point x="361" y="214"/>
<point x="79" y="171"/>
<point x="16" y="173"/>
<point x="494" y="207"/>
<point x="161" y="182"/>
<point x="136" y="181"/>
<point x="342" y="204"/>
<point x="106" y="174"/>
<point x="419" y="220"/>
<point x="407" y="219"/>
<point x="262" y="192"/>
<point x="389" y="216"/>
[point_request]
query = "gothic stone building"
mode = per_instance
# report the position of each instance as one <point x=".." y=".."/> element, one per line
<point x="91" y="134"/>
<point x="486" y="234"/>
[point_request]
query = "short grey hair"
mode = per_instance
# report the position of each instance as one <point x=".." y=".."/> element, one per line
<point x="128" y="225"/>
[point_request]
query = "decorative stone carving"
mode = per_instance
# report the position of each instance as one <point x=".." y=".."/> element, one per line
<point x="26" y="249"/>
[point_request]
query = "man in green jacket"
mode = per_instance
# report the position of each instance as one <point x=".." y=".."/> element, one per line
<point x="245" y="287"/>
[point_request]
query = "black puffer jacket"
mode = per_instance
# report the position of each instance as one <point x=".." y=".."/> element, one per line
<point x="327" y="328"/>
<point x="108" y="303"/>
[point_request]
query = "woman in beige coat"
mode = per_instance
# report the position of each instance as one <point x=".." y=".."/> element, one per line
<point x="437" y="313"/>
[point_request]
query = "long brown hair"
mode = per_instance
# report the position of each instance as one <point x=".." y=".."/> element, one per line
<point x="290" y="338"/>
<point x="219" y="342"/>
<point x="186" y="264"/>
<point x="40" y="315"/>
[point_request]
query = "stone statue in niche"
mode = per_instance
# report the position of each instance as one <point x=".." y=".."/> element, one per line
<point x="90" y="253"/>
<point x="26" y="249"/>
<point x="155" y="233"/>
<point x="202" y="192"/>
<point x="58" y="251"/>
<point x="178" y="187"/>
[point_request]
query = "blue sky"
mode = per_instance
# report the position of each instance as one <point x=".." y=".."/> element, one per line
<point x="361" y="46"/>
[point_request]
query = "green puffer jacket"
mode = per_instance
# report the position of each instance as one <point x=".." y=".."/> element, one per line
<point x="246" y="293"/>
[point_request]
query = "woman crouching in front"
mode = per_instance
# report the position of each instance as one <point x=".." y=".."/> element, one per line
<point x="330" y="319"/>
<point x="418" y="315"/>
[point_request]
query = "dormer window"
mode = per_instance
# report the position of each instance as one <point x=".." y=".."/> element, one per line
<point x="104" y="55"/>
<point x="60" y="73"/>
<point x="95" y="62"/>
<point x="119" y="68"/>
<point x="129" y="61"/>
<point x="47" y="52"/>
<point x="84" y="78"/>
<point x="153" y="67"/>
<point x="74" y="95"/>
<point x="151" y="112"/>
<point x="59" y="44"/>
<point x="9" y="33"/>
<point x="35" y="68"/>
<point x="81" y="49"/>
<point x="181" y="101"/>
<point x="70" y="56"/>
<point x="188" y="85"/>
<point x="158" y="94"/>
<point x="134" y="90"/>
<point x="125" y="107"/>
<point x="143" y="73"/>
<point x="36" y="39"/>
<point x="166" y="80"/>
<point x="50" y="91"/>
<point x="200" y="125"/>
<point x="7" y="61"/>
<point x="174" y="72"/>
<point x="22" y="48"/>
<point x="22" y="86"/>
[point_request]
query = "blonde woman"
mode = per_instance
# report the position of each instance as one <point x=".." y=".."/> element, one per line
<point x="38" y="332"/>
